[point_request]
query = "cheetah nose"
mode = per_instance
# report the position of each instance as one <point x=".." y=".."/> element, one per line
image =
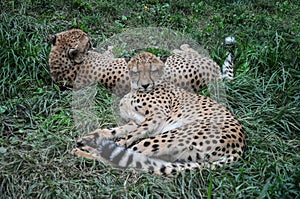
<point x="145" y="86"/>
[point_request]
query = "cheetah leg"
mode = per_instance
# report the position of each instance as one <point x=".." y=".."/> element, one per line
<point x="163" y="146"/>
<point x="194" y="146"/>
<point x="146" y="129"/>
<point x="85" y="150"/>
<point x="131" y="131"/>
<point x="111" y="133"/>
<point x="86" y="146"/>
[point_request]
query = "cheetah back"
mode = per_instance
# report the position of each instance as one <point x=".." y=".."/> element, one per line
<point x="74" y="64"/>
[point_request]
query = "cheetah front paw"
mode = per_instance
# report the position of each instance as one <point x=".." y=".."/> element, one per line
<point x="85" y="147"/>
<point x="87" y="153"/>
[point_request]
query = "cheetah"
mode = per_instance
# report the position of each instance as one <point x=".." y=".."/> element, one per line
<point x="74" y="63"/>
<point x="168" y="129"/>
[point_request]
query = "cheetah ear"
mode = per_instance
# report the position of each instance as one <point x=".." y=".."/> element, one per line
<point x="73" y="53"/>
<point x="127" y="58"/>
<point x="164" y="58"/>
<point x="51" y="39"/>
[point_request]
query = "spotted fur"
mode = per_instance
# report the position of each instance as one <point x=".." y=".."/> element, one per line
<point x="73" y="63"/>
<point x="169" y="129"/>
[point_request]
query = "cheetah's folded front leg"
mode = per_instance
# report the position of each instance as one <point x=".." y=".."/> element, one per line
<point x="87" y="145"/>
<point x="116" y="132"/>
<point x="152" y="126"/>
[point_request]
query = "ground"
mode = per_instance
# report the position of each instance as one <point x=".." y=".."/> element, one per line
<point x="37" y="128"/>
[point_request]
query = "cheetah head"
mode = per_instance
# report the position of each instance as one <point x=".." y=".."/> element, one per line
<point x="69" y="48"/>
<point x="146" y="71"/>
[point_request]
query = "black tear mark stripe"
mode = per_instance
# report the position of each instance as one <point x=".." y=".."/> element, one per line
<point x="137" y="66"/>
<point x="150" y="74"/>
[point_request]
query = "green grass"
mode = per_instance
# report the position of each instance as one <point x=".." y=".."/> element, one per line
<point x="36" y="120"/>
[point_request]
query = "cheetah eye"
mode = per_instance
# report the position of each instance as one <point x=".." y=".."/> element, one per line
<point x="155" y="71"/>
<point x="134" y="72"/>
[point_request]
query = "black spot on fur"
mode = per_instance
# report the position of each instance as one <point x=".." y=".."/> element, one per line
<point x="163" y="169"/>
<point x="174" y="172"/>
<point x="146" y="144"/>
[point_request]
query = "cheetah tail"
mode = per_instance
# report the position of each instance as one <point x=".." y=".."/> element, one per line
<point x="126" y="158"/>
<point x="122" y="158"/>
<point x="228" y="65"/>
